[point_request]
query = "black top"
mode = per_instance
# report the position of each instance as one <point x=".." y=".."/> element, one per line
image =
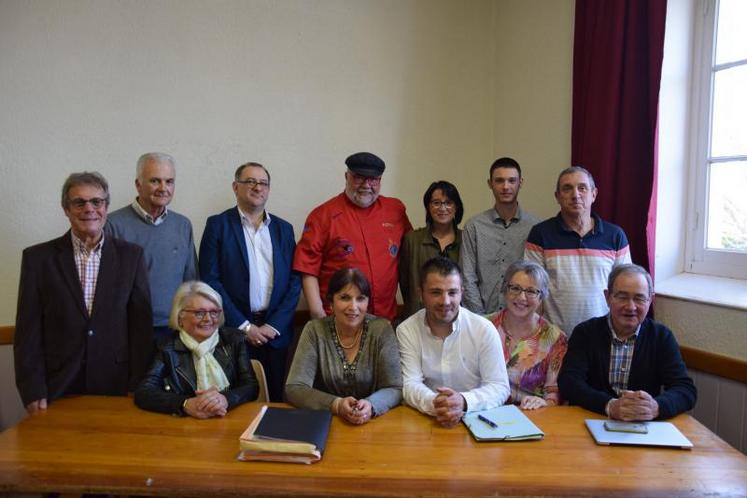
<point x="656" y="365"/>
<point x="172" y="378"/>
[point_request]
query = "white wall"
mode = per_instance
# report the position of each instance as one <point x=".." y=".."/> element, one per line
<point x="533" y="86"/>
<point x="437" y="88"/>
<point x="295" y="85"/>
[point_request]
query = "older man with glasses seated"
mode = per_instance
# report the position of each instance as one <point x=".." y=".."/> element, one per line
<point x="624" y="364"/>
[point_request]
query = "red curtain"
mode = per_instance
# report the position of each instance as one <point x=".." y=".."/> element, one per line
<point x="617" y="56"/>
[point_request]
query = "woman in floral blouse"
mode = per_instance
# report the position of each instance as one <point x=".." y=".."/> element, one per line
<point x="533" y="347"/>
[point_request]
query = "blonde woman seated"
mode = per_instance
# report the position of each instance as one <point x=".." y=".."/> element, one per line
<point x="347" y="362"/>
<point x="204" y="370"/>
<point x="532" y="347"/>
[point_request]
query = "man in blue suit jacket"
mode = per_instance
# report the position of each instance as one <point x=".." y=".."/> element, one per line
<point x="246" y="255"/>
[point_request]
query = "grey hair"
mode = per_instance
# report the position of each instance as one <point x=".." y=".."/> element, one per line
<point x="533" y="270"/>
<point x="189" y="289"/>
<point x="629" y="268"/>
<point x="575" y="169"/>
<point x="159" y="157"/>
<point x="84" y="178"/>
<point x="240" y="169"/>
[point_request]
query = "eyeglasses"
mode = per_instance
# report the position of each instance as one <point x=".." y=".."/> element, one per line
<point x="623" y="298"/>
<point x="201" y="314"/>
<point x="447" y="205"/>
<point x="252" y="183"/>
<point x="360" y="179"/>
<point x="516" y="290"/>
<point x="79" y="203"/>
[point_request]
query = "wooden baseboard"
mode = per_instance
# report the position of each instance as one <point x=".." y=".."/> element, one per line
<point x="715" y="364"/>
<point x="8" y="332"/>
<point x="712" y="363"/>
<point x="6" y="335"/>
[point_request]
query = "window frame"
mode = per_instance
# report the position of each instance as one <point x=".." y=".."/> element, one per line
<point x="698" y="257"/>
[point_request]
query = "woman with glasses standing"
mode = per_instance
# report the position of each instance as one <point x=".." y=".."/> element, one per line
<point x="532" y="347"/>
<point x="204" y="370"/>
<point x="439" y="237"/>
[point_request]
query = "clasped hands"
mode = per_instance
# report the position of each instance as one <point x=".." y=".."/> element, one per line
<point x="36" y="406"/>
<point x="450" y="407"/>
<point x="260" y="335"/>
<point x="634" y="405"/>
<point x="355" y="411"/>
<point x="532" y="403"/>
<point x="207" y="403"/>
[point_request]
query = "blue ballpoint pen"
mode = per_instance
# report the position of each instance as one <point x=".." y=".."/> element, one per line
<point x="488" y="421"/>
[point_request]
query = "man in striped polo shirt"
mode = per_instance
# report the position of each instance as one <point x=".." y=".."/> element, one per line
<point x="578" y="249"/>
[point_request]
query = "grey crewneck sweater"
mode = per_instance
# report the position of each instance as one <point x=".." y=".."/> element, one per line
<point x="169" y="253"/>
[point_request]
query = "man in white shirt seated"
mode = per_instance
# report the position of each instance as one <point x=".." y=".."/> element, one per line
<point x="452" y="359"/>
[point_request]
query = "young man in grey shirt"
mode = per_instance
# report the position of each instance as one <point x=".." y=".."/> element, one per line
<point x="494" y="239"/>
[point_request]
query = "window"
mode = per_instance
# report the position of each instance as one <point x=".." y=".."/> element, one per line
<point x="717" y="239"/>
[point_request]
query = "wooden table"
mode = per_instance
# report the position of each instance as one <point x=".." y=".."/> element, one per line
<point x="106" y="445"/>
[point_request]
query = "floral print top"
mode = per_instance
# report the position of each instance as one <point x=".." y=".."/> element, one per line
<point x="533" y="363"/>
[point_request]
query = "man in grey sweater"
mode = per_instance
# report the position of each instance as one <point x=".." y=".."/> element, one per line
<point x="165" y="236"/>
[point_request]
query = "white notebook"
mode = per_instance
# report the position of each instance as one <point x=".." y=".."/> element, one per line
<point x="659" y="434"/>
<point x="504" y="423"/>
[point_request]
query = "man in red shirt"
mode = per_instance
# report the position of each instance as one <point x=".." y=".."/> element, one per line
<point x="357" y="229"/>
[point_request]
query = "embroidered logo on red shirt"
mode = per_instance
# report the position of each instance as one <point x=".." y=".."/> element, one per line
<point x="341" y="249"/>
<point x="393" y="249"/>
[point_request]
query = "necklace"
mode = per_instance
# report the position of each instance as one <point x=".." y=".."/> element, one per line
<point x="510" y="337"/>
<point x="355" y="339"/>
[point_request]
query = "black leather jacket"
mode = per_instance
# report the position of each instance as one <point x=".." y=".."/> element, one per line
<point x="172" y="378"/>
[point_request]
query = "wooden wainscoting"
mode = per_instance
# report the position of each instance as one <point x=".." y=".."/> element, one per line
<point x="6" y="335"/>
<point x="712" y="363"/>
<point x="715" y="364"/>
<point x="722" y="407"/>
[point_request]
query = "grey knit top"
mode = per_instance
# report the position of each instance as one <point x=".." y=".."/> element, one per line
<point x="320" y="373"/>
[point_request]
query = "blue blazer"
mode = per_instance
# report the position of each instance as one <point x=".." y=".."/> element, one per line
<point x="224" y="265"/>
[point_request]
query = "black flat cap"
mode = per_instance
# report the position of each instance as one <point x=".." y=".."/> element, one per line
<point x="365" y="164"/>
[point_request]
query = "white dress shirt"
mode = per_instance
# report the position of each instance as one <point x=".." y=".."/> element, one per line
<point x="259" y="254"/>
<point x="469" y="360"/>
